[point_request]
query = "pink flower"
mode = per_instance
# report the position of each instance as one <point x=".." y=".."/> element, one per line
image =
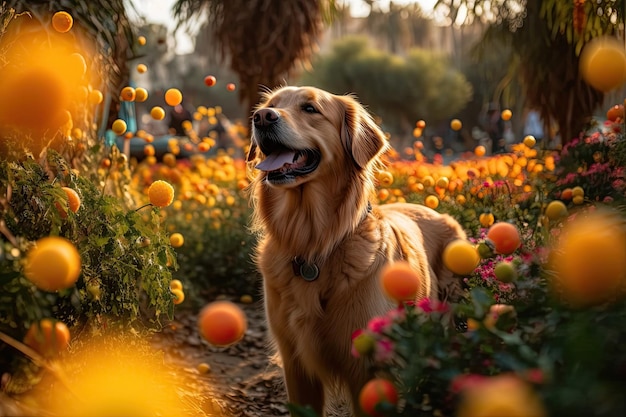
<point x="463" y="381"/>
<point x="534" y="375"/>
<point x="379" y="325"/>
<point x="384" y="350"/>
<point x="429" y="306"/>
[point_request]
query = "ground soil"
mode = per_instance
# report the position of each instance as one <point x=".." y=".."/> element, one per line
<point x="242" y="380"/>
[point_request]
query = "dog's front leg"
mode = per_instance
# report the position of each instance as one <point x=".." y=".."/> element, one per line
<point x="303" y="389"/>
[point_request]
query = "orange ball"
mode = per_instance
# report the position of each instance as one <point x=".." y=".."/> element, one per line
<point x="374" y="392"/>
<point x="48" y="337"/>
<point x="505" y="237"/>
<point x="400" y="282"/>
<point x="222" y="323"/>
<point x="210" y="80"/>
<point x="480" y="150"/>
<point x="173" y="97"/>
<point x="456" y="124"/>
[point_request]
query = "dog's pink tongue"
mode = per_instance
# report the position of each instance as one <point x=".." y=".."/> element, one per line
<point x="276" y="160"/>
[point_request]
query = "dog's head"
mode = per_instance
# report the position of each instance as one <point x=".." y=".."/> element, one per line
<point x="301" y="133"/>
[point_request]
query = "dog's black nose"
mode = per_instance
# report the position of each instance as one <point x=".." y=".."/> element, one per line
<point x="265" y="117"/>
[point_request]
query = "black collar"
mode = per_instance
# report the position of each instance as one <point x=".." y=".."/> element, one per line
<point x="310" y="271"/>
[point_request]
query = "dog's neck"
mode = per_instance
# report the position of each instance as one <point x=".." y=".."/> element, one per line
<point x="308" y="225"/>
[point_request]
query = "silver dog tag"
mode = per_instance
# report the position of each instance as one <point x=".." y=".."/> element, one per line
<point x="309" y="272"/>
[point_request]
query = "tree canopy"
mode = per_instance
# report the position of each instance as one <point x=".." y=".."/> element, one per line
<point x="398" y="89"/>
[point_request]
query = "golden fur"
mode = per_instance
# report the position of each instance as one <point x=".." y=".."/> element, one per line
<point x="323" y="218"/>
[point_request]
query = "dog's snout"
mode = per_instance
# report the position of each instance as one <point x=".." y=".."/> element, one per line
<point x="265" y="117"/>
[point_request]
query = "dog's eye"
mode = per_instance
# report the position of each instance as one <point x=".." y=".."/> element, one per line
<point x="309" y="108"/>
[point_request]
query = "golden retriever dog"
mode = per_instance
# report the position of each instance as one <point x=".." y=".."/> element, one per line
<point x="323" y="244"/>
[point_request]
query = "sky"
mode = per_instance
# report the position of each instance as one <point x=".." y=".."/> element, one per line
<point x="158" y="11"/>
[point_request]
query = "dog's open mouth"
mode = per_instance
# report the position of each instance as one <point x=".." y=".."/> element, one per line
<point x="284" y="165"/>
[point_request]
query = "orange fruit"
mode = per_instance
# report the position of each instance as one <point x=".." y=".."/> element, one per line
<point x="443" y="182"/>
<point x="460" y="199"/>
<point x="73" y="202"/>
<point x="95" y="97"/>
<point x="141" y="94"/>
<point x="530" y="141"/>
<point x="176" y="284"/>
<point x="127" y="94"/>
<point x="385" y="178"/>
<point x="203" y="368"/>
<point x="578" y="192"/>
<point x="161" y="193"/>
<point x="486" y="219"/>
<point x="118" y="127"/>
<point x="456" y="124"/>
<point x="230" y="87"/>
<point x="506" y="114"/>
<point x="246" y="299"/>
<point x="400" y="282"/>
<point x="48" y="337"/>
<point x="149" y="150"/>
<point x="615" y="112"/>
<point x="157" y="113"/>
<point x="505" y="237"/>
<point x="377" y="391"/>
<point x="590" y="259"/>
<point x="210" y="80"/>
<point x="603" y="63"/>
<point x="173" y="97"/>
<point x="52" y="264"/>
<point x="480" y="150"/>
<point x="428" y="181"/>
<point x="431" y="201"/>
<point x="578" y="199"/>
<point x="76" y="66"/>
<point x="177" y="240"/>
<point x="222" y="323"/>
<point x="142" y="68"/>
<point x="62" y="22"/>
<point x="500" y="395"/>
<point x="179" y="295"/>
<point x="567" y="194"/>
<point x="556" y="210"/>
<point x="460" y="257"/>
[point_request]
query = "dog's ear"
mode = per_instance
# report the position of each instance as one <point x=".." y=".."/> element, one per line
<point x="361" y="136"/>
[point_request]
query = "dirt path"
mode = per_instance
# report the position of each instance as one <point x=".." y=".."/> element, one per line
<point x="241" y="380"/>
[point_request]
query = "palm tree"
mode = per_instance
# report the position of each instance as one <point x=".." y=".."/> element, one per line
<point x="547" y="37"/>
<point x="263" y="41"/>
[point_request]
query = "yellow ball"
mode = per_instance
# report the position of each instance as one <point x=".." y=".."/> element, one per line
<point x="119" y="127"/>
<point x="461" y="257"/>
<point x="177" y="240"/>
<point x="530" y="141"/>
<point x="556" y="210"/>
<point x="62" y="22"/>
<point x="157" y="113"/>
<point x="590" y="259"/>
<point x="431" y="201"/>
<point x="603" y="63"/>
<point x="141" y="95"/>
